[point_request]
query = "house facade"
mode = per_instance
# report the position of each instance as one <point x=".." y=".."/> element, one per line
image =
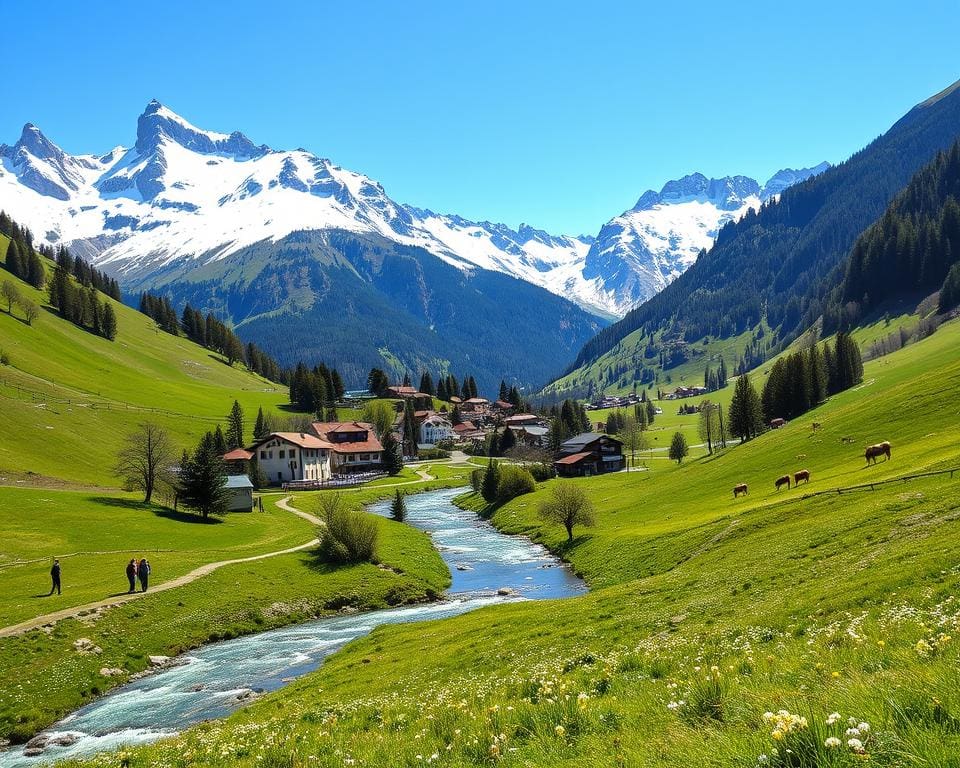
<point x="436" y="429"/>
<point x="353" y="445"/>
<point x="288" y="456"/>
<point x="239" y="493"/>
<point x="590" y="453"/>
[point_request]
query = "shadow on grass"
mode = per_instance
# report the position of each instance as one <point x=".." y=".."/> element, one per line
<point x="184" y="517"/>
<point x="118" y="501"/>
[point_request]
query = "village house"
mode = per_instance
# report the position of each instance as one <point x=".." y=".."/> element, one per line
<point x="238" y="461"/>
<point x="402" y="392"/>
<point x="475" y="405"/>
<point x="590" y="453"/>
<point x="522" y="419"/>
<point x="532" y="435"/>
<point x="353" y="445"/>
<point x="436" y="429"/>
<point x="502" y="406"/>
<point x="289" y="456"/>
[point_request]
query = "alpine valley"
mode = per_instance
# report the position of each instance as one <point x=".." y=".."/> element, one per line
<point x="317" y="262"/>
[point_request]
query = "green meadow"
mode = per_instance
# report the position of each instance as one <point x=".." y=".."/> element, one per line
<point x="807" y="627"/>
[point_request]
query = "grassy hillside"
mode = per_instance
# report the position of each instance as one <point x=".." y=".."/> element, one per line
<point x="706" y="613"/>
<point x="71" y="396"/>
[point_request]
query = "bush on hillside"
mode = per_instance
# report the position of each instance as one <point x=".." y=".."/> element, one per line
<point x="543" y="471"/>
<point x="476" y="479"/>
<point x="347" y="536"/>
<point x="432" y="454"/>
<point x="514" y="481"/>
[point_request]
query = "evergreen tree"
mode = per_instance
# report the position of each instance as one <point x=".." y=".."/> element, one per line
<point x="426" y="383"/>
<point x="36" y="275"/>
<point x="513" y="397"/>
<point x="746" y="412"/>
<point x="260" y="429"/>
<point x="491" y="482"/>
<point x="406" y="379"/>
<point x="507" y="441"/>
<point x="950" y="290"/>
<point x="337" y="389"/>
<point x="410" y="431"/>
<point x="109" y="321"/>
<point x="377" y="382"/>
<point x="234" y="436"/>
<point x="202" y="479"/>
<point x="392" y="460"/>
<point x="219" y="442"/>
<point x="442" y="389"/>
<point x="678" y="447"/>
<point x="504" y="392"/>
<point x="651" y="411"/>
<point x="398" y="507"/>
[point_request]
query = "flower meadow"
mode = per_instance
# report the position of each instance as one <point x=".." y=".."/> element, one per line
<point x="861" y="690"/>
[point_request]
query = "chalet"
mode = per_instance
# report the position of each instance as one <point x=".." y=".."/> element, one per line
<point x="531" y="434"/>
<point x="502" y="406"/>
<point x="288" y="456"/>
<point x="354" y="446"/>
<point x="240" y="493"/>
<point x="475" y="405"/>
<point x="590" y="453"/>
<point x="521" y="420"/>
<point x="681" y="392"/>
<point x="436" y="429"/>
<point x="420" y="399"/>
<point x="468" y="431"/>
<point x="237" y="461"/>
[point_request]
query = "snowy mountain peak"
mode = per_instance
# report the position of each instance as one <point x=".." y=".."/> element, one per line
<point x="728" y="192"/>
<point x="787" y="177"/>
<point x="38" y="145"/>
<point x="157" y="122"/>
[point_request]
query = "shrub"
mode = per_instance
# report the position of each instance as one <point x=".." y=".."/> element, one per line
<point x="542" y="472"/>
<point x="347" y="536"/>
<point x="4" y="358"/>
<point x="476" y="479"/>
<point x="514" y="481"/>
<point x="432" y="454"/>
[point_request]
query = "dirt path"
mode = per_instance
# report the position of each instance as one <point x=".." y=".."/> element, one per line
<point x="89" y="609"/>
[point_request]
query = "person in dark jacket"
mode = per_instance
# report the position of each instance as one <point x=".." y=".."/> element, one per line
<point x="132" y="574"/>
<point x="55" y="576"/>
<point x="143" y="573"/>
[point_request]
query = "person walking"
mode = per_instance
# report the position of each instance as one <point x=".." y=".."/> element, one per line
<point x="55" y="576"/>
<point x="132" y="575"/>
<point x="143" y="573"/>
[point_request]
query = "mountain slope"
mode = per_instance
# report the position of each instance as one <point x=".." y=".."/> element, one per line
<point x="71" y="396"/>
<point x="783" y="260"/>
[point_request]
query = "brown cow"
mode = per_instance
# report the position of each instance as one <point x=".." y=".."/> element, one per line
<point x="785" y="480"/>
<point x="873" y="451"/>
<point x="803" y="474"/>
<point x="738" y="489"/>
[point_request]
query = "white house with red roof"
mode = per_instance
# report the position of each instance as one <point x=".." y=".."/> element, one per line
<point x="353" y="445"/>
<point x="290" y="456"/>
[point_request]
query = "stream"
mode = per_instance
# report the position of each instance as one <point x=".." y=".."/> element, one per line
<point x="215" y="680"/>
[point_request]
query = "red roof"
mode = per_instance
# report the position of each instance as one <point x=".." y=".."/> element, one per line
<point x="520" y="417"/>
<point x="455" y="399"/>
<point x="478" y="400"/>
<point x="574" y="458"/>
<point x="466" y="426"/>
<point x="370" y="444"/>
<point x="300" y="439"/>
<point x="237" y="454"/>
<point x="503" y="405"/>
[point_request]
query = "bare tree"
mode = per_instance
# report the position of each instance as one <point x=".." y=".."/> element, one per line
<point x="145" y="458"/>
<point x="10" y="295"/>
<point x="30" y="310"/>
<point x="634" y="438"/>
<point x="567" y="505"/>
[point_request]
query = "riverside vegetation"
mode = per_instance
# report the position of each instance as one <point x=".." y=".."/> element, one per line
<point x="804" y="629"/>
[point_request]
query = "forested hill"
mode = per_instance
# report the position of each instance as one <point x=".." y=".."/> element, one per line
<point x="786" y="258"/>
<point x="913" y="247"/>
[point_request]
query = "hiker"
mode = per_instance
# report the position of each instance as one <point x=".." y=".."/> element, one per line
<point x="55" y="576"/>
<point x="132" y="575"/>
<point x="143" y="573"/>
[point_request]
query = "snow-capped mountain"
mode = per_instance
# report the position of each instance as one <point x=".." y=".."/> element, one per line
<point x="639" y="252"/>
<point x="182" y="196"/>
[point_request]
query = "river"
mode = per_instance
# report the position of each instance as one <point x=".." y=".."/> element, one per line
<point x="216" y="679"/>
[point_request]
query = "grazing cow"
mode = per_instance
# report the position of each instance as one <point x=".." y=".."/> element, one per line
<point x="873" y="451"/>
<point x="785" y="480"/>
<point x="738" y="489"/>
<point x="803" y="474"/>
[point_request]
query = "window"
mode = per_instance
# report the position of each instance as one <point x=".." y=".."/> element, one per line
<point x="279" y="475"/>
<point x="293" y="453"/>
<point x="263" y="454"/>
<point x="282" y="454"/>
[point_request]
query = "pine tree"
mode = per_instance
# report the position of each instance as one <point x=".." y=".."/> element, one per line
<point x="202" y="481"/>
<point x="504" y="393"/>
<point x="392" y="460"/>
<point x="950" y="290"/>
<point x="234" y="436"/>
<point x="219" y="442"/>
<point x="491" y="482"/>
<point x="260" y="430"/>
<point x="398" y="507"/>
<point x="651" y="411"/>
<point x="507" y="441"/>
<point x="426" y="383"/>
<point x="410" y="431"/>
<point x="745" y="415"/>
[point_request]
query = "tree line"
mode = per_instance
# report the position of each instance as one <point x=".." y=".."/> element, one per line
<point x="317" y="390"/>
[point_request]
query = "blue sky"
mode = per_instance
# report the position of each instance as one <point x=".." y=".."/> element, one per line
<point x="552" y="113"/>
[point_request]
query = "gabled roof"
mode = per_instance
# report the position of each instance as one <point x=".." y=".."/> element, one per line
<point x="300" y="439"/>
<point x="238" y="454"/>
<point x="503" y="405"/>
<point x="237" y="481"/>
<point x="583" y="439"/>
<point x="367" y="445"/>
<point x="573" y="458"/>
<point x="478" y="400"/>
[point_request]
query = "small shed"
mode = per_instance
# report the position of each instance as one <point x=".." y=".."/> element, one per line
<point x="240" y="498"/>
